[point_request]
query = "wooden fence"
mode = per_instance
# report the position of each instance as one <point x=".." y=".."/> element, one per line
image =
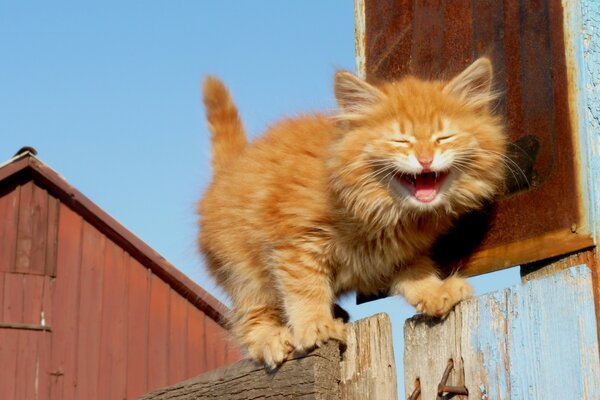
<point x="364" y="369"/>
<point x="532" y="341"/>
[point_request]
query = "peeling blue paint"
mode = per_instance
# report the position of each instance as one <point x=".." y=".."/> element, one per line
<point x="583" y="32"/>
<point x="548" y="348"/>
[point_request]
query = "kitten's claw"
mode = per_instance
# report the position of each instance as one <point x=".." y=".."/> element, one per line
<point x="315" y="333"/>
<point x="272" y="349"/>
<point x="439" y="302"/>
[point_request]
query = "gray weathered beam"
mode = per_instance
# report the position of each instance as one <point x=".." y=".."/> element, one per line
<point x="365" y="370"/>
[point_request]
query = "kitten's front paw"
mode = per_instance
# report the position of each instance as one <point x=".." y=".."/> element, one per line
<point x="445" y="297"/>
<point x="313" y="334"/>
<point x="272" y="348"/>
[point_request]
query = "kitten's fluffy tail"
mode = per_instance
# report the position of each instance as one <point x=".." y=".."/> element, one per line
<point x="228" y="136"/>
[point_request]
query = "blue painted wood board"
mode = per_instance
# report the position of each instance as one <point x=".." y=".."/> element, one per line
<point x="532" y="341"/>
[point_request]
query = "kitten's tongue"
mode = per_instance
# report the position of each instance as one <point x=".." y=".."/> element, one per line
<point x="425" y="190"/>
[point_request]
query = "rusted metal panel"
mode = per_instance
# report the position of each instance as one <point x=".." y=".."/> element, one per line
<point x="525" y="41"/>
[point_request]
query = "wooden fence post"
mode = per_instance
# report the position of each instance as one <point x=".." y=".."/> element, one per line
<point x="532" y="341"/>
<point x="364" y="370"/>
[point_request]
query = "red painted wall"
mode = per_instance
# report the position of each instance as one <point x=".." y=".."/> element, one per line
<point x="100" y="325"/>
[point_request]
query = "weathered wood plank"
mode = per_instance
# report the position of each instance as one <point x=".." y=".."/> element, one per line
<point x="89" y="327"/>
<point x="112" y="370"/>
<point x="52" y="235"/>
<point x="138" y="299"/>
<point x="158" y="335"/>
<point x="368" y="370"/>
<point x="177" y="360"/>
<point x="25" y="229"/>
<point x="65" y="305"/>
<point x="516" y="343"/>
<point x="313" y="376"/>
<point x="214" y="337"/>
<point x="9" y="344"/>
<point x="428" y="347"/>
<point x="9" y="210"/>
<point x="365" y="370"/>
<point x="195" y="338"/>
<point x="39" y="221"/>
<point x="583" y="61"/>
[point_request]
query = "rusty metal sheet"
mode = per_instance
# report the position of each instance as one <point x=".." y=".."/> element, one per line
<point x="540" y="214"/>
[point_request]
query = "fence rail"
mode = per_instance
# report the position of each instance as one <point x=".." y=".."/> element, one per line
<point x="365" y="369"/>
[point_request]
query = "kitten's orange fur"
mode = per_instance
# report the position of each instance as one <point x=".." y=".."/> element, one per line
<point x="321" y="205"/>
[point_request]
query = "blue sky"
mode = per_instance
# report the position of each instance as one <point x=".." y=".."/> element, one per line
<point x="108" y="93"/>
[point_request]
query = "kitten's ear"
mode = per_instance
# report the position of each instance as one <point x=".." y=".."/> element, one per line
<point x="474" y="84"/>
<point x="355" y="96"/>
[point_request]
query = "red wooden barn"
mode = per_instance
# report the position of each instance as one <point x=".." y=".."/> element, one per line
<point x="87" y="310"/>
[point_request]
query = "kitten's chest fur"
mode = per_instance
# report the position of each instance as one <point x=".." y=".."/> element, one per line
<point x="367" y="261"/>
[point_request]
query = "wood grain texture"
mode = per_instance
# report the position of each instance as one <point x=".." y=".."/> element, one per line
<point x="515" y="343"/>
<point x="25" y="229"/>
<point x="138" y="300"/>
<point x="196" y="342"/>
<point x="9" y="342"/>
<point x="52" y="235"/>
<point x="364" y="370"/>
<point x="90" y="311"/>
<point x="112" y="368"/>
<point x="26" y="168"/>
<point x="39" y="240"/>
<point x="314" y="376"/>
<point x="367" y="369"/>
<point x="112" y="318"/>
<point x="65" y="306"/>
<point x="9" y="209"/>
<point x="14" y="298"/>
<point x="158" y="333"/>
<point x="213" y="336"/>
<point x="177" y="333"/>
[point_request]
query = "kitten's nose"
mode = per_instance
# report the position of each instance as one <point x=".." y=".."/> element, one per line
<point x="425" y="162"/>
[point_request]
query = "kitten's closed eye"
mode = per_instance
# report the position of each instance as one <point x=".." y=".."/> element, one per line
<point x="402" y="142"/>
<point x="444" y="139"/>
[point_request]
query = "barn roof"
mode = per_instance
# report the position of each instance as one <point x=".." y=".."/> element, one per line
<point x="26" y="166"/>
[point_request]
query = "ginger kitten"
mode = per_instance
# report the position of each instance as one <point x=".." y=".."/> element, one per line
<point x="321" y="205"/>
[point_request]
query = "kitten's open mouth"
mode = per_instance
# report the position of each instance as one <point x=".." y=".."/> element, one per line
<point x="425" y="186"/>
